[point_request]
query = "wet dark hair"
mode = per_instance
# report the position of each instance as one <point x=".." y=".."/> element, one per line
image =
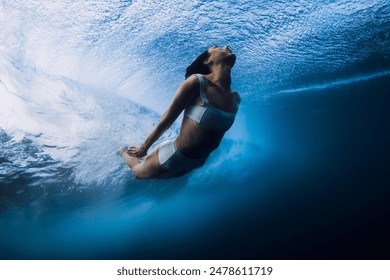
<point x="198" y="67"/>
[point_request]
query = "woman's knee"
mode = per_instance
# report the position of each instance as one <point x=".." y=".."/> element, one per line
<point x="147" y="170"/>
<point x="139" y="173"/>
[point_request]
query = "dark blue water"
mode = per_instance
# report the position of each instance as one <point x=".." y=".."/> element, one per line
<point x="303" y="173"/>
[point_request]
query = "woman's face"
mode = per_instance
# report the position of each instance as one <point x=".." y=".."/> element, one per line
<point x="222" y="55"/>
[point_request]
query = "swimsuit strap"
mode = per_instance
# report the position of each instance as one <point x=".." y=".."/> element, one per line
<point x="202" y="85"/>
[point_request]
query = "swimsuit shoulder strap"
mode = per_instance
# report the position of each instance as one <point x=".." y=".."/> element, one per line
<point x="201" y="86"/>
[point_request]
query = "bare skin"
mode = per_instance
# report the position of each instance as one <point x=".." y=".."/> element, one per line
<point x="193" y="141"/>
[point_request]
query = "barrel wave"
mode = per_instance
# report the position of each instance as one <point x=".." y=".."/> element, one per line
<point x="302" y="174"/>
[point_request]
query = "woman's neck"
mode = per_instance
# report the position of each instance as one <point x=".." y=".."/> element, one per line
<point x="220" y="75"/>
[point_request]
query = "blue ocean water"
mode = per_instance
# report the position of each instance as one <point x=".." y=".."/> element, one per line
<point x="302" y="174"/>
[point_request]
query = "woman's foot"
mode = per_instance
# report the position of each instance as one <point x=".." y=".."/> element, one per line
<point x="130" y="160"/>
<point x="121" y="151"/>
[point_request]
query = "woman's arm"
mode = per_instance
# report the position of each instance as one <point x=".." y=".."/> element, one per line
<point x="184" y="96"/>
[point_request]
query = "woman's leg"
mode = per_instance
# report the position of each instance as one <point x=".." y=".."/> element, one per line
<point x="148" y="168"/>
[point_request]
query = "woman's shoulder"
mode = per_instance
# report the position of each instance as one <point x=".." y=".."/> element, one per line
<point x="191" y="85"/>
<point x="193" y="79"/>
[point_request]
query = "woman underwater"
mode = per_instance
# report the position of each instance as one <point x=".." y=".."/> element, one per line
<point x="210" y="107"/>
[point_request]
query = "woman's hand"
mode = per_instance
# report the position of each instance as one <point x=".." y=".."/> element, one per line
<point x="138" y="151"/>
